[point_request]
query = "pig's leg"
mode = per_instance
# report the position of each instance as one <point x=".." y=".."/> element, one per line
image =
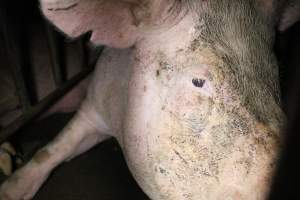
<point x="78" y="136"/>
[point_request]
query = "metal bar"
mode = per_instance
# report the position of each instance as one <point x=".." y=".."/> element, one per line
<point x="20" y="84"/>
<point x="54" y="56"/>
<point x="83" y="54"/>
<point x="40" y="108"/>
<point x="13" y="47"/>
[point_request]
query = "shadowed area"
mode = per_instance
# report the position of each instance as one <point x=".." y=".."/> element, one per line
<point x="287" y="179"/>
<point x="100" y="173"/>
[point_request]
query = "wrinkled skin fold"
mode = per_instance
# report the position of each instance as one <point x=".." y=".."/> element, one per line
<point x="190" y="89"/>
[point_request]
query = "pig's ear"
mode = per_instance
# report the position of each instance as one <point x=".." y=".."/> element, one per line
<point x="111" y="22"/>
<point x="290" y="15"/>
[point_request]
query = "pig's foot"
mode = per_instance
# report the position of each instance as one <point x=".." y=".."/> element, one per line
<point x="23" y="184"/>
<point x="78" y="136"/>
<point x="7" y="152"/>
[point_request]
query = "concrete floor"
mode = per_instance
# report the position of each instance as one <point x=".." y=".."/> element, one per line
<point x="100" y="174"/>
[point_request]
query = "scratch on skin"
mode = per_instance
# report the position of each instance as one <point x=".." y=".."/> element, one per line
<point x="178" y="154"/>
<point x="66" y="8"/>
<point x="148" y="152"/>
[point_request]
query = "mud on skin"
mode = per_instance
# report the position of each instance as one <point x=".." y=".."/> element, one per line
<point x="196" y="107"/>
<point x="243" y="39"/>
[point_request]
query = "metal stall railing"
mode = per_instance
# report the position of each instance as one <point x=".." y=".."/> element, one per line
<point x="16" y="45"/>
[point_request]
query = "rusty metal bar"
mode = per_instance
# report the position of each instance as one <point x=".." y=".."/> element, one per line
<point x="41" y="107"/>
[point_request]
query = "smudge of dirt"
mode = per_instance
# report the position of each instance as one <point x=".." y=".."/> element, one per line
<point x="157" y="73"/>
<point x="162" y="170"/>
<point x="42" y="156"/>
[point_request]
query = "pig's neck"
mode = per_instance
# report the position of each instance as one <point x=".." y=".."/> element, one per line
<point x="249" y="69"/>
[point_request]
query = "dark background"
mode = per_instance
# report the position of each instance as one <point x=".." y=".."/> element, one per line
<point x="102" y="172"/>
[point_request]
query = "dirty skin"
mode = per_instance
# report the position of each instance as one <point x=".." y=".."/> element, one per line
<point x="42" y="156"/>
<point x="196" y="106"/>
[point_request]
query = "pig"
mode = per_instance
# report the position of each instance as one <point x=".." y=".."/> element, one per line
<point x="189" y="89"/>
